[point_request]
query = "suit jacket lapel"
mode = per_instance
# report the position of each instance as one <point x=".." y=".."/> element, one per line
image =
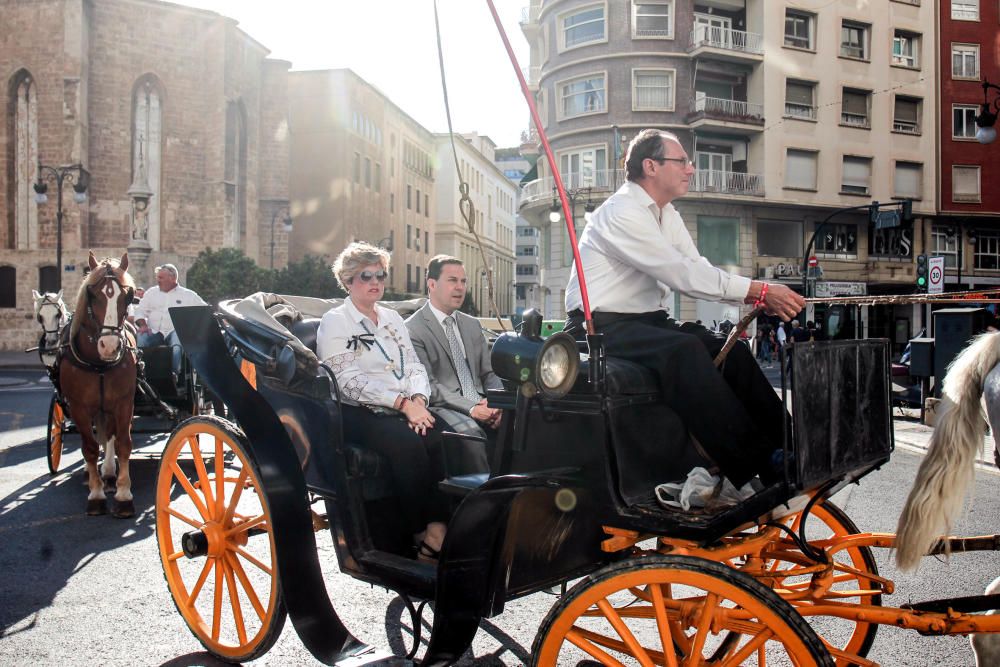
<point x="471" y="330"/>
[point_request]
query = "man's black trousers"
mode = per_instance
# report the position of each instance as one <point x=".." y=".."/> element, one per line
<point x="735" y="415"/>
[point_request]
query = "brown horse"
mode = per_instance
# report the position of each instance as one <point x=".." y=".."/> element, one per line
<point x="97" y="376"/>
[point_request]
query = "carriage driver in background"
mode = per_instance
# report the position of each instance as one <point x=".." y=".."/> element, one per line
<point x="152" y="318"/>
<point x="635" y="250"/>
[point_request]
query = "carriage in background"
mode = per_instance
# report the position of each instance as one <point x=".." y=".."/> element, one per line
<point x="570" y="497"/>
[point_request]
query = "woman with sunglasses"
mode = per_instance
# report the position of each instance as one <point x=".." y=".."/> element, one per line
<point x="384" y="389"/>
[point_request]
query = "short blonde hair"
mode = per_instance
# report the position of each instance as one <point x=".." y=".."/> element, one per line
<point x="356" y="256"/>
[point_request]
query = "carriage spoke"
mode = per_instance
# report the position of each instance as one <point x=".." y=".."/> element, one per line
<point x="704" y="623"/>
<point x="247" y="525"/>
<point x="582" y="639"/>
<point x="199" y="466"/>
<point x="177" y="555"/>
<point x="220" y="478"/>
<point x="190" y="490"/>
<point x="755" y="644"/>
<point x="217" y="605"/>
<point x="234" y="602"/>
<point x="188" y="520"/>
<point x="663" y="624"/>
<point x="202" y="578"/>
<point x="616" y="622"/>
<point x="237" y="492"/>
<point x="237" y="567"/>
<point x="265" y="568"/>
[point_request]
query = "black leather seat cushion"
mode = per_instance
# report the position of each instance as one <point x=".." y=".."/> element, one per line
<point x="624" y="377"/>
<point x="305" y="331"/>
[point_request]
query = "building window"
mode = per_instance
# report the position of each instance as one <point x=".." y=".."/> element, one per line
<point x="368" y="172"/>
<point x="236" y="173"/>
<point x="799" y="29"/>
<point x="48" y="279"/>
<point x="8" y="287"/>
<point x="719" y="240"/>
<point x="987" y="252"/>
<point x="416" y="239"/>
<point x="906" y="115"/>
<point x="25" y="164"/>
<point x="584" y="168"/>
<point x="800" y="169"/>
<point x="409" y="197"/>
<point x="427" y="241"/>
<point x="965" y="61"/>
<point x="837" y="239"/>
<point x="409" y="244"/>
<point x="854" y="40"/>
<point x="800" y="99"/>
<point x="357" y="168"/>
<point x="856" y="178"/>
<point x="905" y="49"/>
<point x="854" y="108"/>
<point x="378" y="177"/>
<point x="583" y="27"/>
<point x="652" y="90"/>
<point x="963" y="124"/>
<point x="944" y="242"/>
<point x="908" y="180"/>
<point x="418" y="200"/>
<point x="427" y="206"/>
<point x="779" y="238"/>
<point x="965" y="184"/>
<point x="526" y="251"/>
<point x="653" y="19"/>
<point x="392" y="202"/>
<point x="582" y="96"/>
<point x="965" y="10"/>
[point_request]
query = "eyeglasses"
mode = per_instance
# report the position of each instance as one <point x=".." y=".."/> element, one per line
<point x="366" y="276"/>
<point x="682" y="161"/>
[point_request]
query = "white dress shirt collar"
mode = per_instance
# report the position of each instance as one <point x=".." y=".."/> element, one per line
<point x="357" y="316"/>
<point x="441" y="315"/>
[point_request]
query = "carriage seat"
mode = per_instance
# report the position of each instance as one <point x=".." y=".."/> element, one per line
<point x="305" y="330"/>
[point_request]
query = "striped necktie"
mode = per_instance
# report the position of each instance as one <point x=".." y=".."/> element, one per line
<point x="461" y="365"/>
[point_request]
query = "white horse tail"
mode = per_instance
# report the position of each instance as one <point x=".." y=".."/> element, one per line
<point x="949" y="466"/>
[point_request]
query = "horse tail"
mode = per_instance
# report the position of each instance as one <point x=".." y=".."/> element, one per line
<point x="949" y="466"/>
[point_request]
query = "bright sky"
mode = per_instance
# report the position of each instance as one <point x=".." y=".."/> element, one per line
<point x="391" y="44"/>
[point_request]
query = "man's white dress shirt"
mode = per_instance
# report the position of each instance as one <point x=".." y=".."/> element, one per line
<point x="634" y="253"/>
<point x="364" y="374"/>
<point x="154" y="304"/>
<point x="441" y="317"/>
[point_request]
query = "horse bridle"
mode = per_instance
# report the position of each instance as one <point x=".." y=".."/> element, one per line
<point x="104" y="329"/>
<point x="63" y="315"/>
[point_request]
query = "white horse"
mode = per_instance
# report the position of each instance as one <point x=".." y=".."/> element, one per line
<point x="51" y="313"/>
<point x="949" y="466"/>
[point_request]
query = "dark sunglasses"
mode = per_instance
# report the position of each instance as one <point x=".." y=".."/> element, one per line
<point x="366" y="276"/>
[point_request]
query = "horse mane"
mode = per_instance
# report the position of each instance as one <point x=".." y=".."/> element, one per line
<point x="94" y="277"/>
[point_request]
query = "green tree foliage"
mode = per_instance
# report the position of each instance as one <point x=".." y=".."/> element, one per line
<point x="310" y="276"/>
<point x="227" y="273"/>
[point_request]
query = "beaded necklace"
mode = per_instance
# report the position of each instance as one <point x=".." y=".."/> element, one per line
<point x="392" y="364"/>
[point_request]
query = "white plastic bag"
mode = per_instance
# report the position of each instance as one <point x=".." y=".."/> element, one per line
<point x="702" y="490"/>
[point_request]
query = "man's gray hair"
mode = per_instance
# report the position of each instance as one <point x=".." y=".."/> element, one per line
<point x="645" y="145"/>
<point x="169" y="268"/>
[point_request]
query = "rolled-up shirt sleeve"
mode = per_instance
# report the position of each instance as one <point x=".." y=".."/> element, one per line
<point x="634" y="238"/>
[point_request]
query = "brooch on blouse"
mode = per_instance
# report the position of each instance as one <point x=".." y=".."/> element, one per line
<point x="366" y="339"/>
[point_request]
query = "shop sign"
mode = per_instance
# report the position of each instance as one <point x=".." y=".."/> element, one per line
<point x="891" y="242"/>
<point x="826" y="289"/>
<point x="781" y="271"/>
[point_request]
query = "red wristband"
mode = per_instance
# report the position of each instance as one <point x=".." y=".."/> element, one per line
<point x="763" y="295"/>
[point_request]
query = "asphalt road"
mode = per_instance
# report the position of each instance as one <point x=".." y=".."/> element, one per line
<point x="89" y="590"/>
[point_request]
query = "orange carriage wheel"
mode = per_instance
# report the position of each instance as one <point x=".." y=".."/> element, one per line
<point x="213" y="528"/>
<point x="54" y="437"/>
<point x="827" y="521"/>
<point x="689" y="611"/>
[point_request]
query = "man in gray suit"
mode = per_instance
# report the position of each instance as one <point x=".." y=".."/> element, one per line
<point x="452" y="348"/>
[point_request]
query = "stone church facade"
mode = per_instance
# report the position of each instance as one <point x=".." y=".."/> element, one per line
<point x="177" y="100"/>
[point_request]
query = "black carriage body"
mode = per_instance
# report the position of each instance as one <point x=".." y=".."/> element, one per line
<point x="564" y="469"/>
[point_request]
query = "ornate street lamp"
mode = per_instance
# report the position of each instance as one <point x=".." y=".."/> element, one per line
<point x="987" y="118"/>
<point x="286" y="225"/>
<point x="74" y="174"/>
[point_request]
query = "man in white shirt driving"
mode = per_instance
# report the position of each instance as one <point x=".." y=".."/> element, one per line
<point x="152" y="317"/>
<point x="635" y="251"/>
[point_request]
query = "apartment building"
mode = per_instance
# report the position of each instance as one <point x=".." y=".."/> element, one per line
<point x="361" y="170"/>
<point x="527" y="270"/>
<point x="789" y="114"/>
<point x="494" y="199"/>
<point x="967" y="230"/>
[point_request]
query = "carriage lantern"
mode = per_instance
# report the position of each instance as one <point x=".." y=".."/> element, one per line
<point x="546" y="366"/>
<point x="987" y="118"/>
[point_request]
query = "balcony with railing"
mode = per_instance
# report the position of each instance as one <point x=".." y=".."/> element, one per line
<point x="727" y="183"/>
<point x="601" y="182"/>
<point x="855" y="120"/>
<point x="726" y="43"/>
<point x="741" y="116"/>
<point x="905" y="126"/>
<point x="803" y="111"/>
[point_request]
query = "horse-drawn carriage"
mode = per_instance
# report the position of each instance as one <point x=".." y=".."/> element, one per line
<point x="582" y="446"/>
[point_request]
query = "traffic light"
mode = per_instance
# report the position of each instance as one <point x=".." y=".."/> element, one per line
<point x="921" y="280"/>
